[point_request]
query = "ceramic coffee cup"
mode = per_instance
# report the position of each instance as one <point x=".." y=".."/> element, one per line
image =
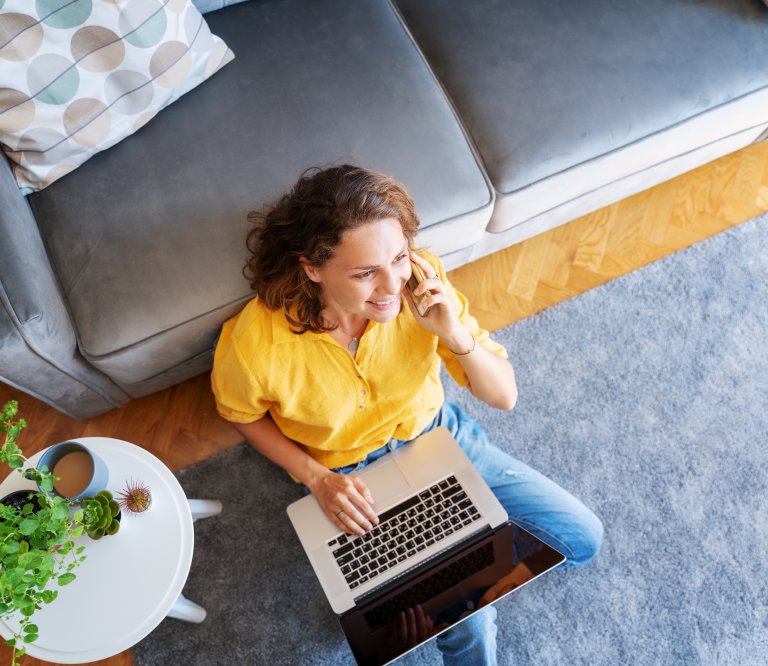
<point x="82" y="473"/>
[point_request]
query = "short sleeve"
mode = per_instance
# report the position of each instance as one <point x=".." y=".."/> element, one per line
<point x="239" y="396"/>
<point x="481" y="336"/>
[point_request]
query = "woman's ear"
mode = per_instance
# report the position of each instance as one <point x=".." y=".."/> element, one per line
<point x="310" y="270"/>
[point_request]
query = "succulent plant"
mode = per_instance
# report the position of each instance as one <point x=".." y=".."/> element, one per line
<point x="135" y="497"/>
<point x="100" y="515"/>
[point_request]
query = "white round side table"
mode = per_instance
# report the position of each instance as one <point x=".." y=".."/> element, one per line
<point x="130" y="581"/>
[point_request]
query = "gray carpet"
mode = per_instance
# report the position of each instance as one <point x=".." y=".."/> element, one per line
<point x="646" y="398"/>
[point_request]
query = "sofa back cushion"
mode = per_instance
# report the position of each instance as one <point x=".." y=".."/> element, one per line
<point x="546" y="87"/>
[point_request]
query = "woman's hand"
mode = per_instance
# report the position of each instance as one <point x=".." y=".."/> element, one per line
<point x="346" y="501"/>
<point x="441" y="320"/>
<point x="491" y="377"/>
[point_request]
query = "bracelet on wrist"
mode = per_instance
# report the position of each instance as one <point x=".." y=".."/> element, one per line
<point x="469" y="351"/>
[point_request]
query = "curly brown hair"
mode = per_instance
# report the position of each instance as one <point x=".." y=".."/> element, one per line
<point x="309" y="221"/>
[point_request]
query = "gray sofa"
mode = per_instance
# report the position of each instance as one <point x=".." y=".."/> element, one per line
<point x="504" y="119"/>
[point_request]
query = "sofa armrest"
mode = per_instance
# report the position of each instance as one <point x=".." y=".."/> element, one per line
<point x="40" y="354"/>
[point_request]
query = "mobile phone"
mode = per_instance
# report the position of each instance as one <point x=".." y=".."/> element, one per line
<point x="417" y="277"/>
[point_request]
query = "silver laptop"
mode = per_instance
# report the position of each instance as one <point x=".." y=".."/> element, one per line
<point x="443" y="544"/>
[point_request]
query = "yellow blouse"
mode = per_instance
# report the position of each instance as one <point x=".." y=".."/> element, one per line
<point x="336" y="407"/>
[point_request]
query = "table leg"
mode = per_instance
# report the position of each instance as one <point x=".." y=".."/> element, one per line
<point x="187" y="610"/>
<point x="184" y="609"/>
<point x="204" y="508"/>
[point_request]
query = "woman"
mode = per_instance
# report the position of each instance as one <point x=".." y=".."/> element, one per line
<point x="331" y="366"/>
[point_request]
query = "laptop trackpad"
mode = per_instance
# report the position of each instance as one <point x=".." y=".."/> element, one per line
<point x="384" y="479"/>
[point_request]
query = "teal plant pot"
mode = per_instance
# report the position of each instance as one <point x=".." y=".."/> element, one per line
<point x="93" y="479"/>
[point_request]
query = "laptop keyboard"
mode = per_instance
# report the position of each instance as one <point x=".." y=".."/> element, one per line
<point x="404" y="530"/>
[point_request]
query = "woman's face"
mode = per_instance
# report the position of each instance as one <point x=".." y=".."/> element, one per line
<point x="367" y="274"/>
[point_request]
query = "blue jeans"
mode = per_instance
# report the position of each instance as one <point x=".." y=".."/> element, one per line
<point x="531" y="500"/>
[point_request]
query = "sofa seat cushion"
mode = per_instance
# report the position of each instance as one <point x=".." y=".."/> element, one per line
<point x="563" y="98"/>
<point x="148" y="238"/>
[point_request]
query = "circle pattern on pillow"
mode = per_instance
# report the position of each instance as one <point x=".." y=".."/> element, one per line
<point x="63" y="13"/>
<point x="139" y="30"/>
<point x="87" y="121"/>
<point x="20" y="37"/>
<point x="77" y="76"/>
<point x="97" y="49"/>
<point x="16" y="109"/>
<point x="55" y="77"/>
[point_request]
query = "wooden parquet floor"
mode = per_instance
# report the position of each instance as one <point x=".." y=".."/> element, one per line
<point x="180" y="425"/>
<point x="569" y="260"/>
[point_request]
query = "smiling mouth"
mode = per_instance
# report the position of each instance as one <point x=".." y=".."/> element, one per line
<point x="389" y="301"/>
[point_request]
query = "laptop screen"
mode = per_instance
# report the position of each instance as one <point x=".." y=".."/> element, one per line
<point x="410" y="611"/>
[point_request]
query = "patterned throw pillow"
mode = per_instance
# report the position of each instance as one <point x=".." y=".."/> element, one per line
<point x="77" y="76"/>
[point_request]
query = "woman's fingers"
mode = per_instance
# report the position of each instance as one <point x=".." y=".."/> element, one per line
<point x="347" y="522"/>
<point x="432" y="286"/>
<point x="347" y="502"/>
<point x="362" y="489"/>
<point x="423" y="264"/>
<point x="355" y="520"/>
<point x="360" y="501"/>
<point x="431" y="277"/>
<point x="434" y="298"/>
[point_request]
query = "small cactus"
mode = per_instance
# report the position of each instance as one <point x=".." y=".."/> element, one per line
<point x="135" y="498"/>
<point x="101" y="515"/>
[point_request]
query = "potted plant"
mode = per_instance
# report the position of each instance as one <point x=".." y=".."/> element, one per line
<point x="135" y="497"/>
<point x="99" y="515"/>
<point x="37" y="539"/>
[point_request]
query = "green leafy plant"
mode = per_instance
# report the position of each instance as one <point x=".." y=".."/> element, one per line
<point x="99" y="515"/>
<point x="37" y="540"/>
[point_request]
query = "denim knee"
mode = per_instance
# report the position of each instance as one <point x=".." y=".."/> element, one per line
<point x="532" y="500"/>
<point x="586" y="540"/>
